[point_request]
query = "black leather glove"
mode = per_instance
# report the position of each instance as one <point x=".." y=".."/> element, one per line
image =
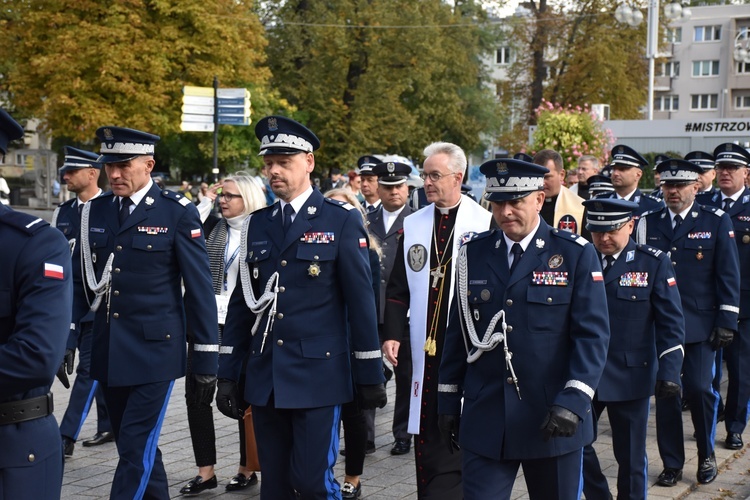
<point x="69" y="360"/>
<point x="560" y="422"/>
<point x="448" y="425"/>
<point x="721" y="337"/>
<point x="666" y="389"/>
<point x="371" y="396"/>
<point x="203" y="388"/>
<point x="62" y="376"/>
<point x="226" y="398"/>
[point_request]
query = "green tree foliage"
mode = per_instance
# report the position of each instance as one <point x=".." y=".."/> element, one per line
<point x="77" y="65"/>
<point x="382" y="76"/>
<point x="572" y="131"/>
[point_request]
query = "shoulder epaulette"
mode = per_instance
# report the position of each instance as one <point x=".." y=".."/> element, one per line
<point x="471" y="236"/>
<point x="23" y="222"/>
<point x="567" y="235"/>
<point x="714" y="210"/>
<point x="68" y="203"/>
<point x="347" y="206"/>
<point x="171" y="195"/>
<point x="649" y="250"/>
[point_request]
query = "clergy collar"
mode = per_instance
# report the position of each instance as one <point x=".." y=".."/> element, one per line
<point x="446" y="210"/>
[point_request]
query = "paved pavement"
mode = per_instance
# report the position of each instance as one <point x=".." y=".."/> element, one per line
<point x="88" y="474"/>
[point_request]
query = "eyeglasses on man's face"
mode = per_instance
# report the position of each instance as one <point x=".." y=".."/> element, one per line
<point x="434" y="176"/>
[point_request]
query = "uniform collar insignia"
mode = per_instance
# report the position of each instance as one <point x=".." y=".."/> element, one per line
<point x="312" y="210"/>
<point x="149" y="200"/>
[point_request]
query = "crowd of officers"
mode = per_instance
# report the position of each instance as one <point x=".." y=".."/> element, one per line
<point x="510" y="327"/>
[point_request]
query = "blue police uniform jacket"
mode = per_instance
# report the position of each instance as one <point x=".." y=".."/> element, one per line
<point x="35" y="310"/>
<point x="140" y="336"/>
<point x="67" y="219"/>
<point x="324" y="333"/>
<point x="739" y="213"/>
<point x="557" y="331"/>
<point x="646" y="325"/>
<point x="705" y="260"/>
<point x="645" y="203"/>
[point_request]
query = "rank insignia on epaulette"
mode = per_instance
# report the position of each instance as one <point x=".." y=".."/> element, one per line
<point x="636" y="279"/>
<point x="185" y="202"/>
<point x="745" y="199"/>
<point x="699" y="235"/>
<point x="319" y="237"/>
<point x="550" y="278"/>
<point x="630" y="256"/>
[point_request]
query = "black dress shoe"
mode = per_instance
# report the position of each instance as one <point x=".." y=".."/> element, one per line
<point x="401" y="447"/>
<point x="241" y="482"/>
<point x="348" y="490"/>
<point x="100" y="438"/>
<point x="197" y="485"/>
<point x="370" y="448"/>
<point x="685" y="405"/>
<point x="669" y="477"/>
<point x="733" y="441"/>
<point x="707" y="470"/>
<point x="68" y="446"/>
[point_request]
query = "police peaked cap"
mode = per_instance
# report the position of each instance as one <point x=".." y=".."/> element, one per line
<point x="625" y="156"/>
<point x="732" y="153"/>
<point x="279" y="135"/>
<point x="509" y="179"/>
<point x="10" y="130"/>
<point x="608" y="214"/>
<point x="123" y="144"/>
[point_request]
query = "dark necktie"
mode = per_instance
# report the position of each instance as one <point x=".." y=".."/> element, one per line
<point x="677" y="221"/>
<point x="288" y="212"/>
<point x="370" y="209"/>
<point x="728" y="204"/>
<point x="125" y="209"/>
<point x="610" y="261"/>
<point x="80" y="209"/>
<point x="517" y="252"/>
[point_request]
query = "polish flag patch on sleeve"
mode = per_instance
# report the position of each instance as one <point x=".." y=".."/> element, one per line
<point x="195" y="233"/>
<point x="53" y="271"/>
<point x="671" y="281"/>
<point x="363" y="243"/>
<point x="731" y="234"/>
<point x="597" y="276"/>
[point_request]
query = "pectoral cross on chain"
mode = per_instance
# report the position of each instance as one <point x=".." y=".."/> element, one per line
<point x="437" y="274"/>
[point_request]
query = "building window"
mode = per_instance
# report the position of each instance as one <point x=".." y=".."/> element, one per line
<point x="666" y="103"/>
<point x="703" y="102"/>
<point x="673" y="35"/>
<point x="743" y="67"/>
<point x="705" y="68"/>
<point x="707" y="33"/>
<point x="669" y="68"/>
<point x="742" y="102"/>
<point x="502" y="55"/>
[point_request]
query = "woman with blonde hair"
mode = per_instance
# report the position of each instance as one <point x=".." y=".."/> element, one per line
<point x="240" y="196"/>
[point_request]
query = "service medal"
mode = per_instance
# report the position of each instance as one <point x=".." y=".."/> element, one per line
<point x="699" y="256"/>
<point x="555" y="261"/>
<point x="314" y="270"/>
<point x="746" y="239"/>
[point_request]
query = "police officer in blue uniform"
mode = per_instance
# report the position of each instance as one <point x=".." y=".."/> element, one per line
<point x="305" y="292"/>
<point x="387" y="225"/>
<point x="525" y="346"/>
<point x="627" y="168"/>
<point x="647" y="330"/>
<point x="700" y="243"/>
<point x="35" y="309"/>
<point x="734" y="198"/>
<point x="706" y="161"/>
<point x="80" y="172"/>
<point x="141" y="244"/>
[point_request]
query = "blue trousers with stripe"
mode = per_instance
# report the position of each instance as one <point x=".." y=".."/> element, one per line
<point x="137" y="414"/>
<point x="737" y="355"/>
<point x="552" y="478"/>
<point x="85" y="390"/>
<point x="629" y="422"/>
<point x="297" y="449"/>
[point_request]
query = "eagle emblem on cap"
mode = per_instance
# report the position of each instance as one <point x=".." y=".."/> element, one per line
<point x="598" y="206"/>
<point x="108" y="134"/>
<point x="502" y="168"/>
<point x="391" y="168"/>
<point x="272" y="125"/>
<point x="698" y="155"/>
<point x="728" y="147"/>
<point x="620" y="150"/>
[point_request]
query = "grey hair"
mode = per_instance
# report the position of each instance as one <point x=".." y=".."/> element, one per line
<point x="250" y="191"/>
<point x="593" y="159"/>
<point x="456" y="156"/>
